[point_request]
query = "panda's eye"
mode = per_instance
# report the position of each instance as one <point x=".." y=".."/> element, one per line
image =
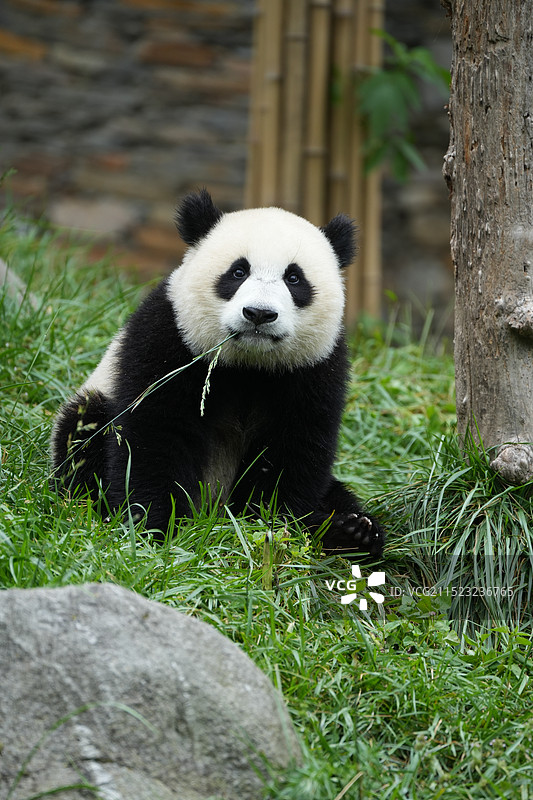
<point x="292" y="277"/>
<point x="240" y="269"/>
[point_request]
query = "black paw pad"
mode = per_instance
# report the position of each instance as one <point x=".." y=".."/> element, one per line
<point x="352" y="533"/>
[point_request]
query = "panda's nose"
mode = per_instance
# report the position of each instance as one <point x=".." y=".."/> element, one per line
<point x="259" y="315"/>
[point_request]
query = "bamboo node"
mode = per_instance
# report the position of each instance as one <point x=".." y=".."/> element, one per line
<point x="296" y="36"/>
<point x="343" y="13"/>
<point x="315" y="151"/>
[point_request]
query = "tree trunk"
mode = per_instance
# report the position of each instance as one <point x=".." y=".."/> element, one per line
<point x="488" y="169"/>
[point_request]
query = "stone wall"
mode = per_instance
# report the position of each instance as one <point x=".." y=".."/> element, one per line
<point x="111" y="109"/>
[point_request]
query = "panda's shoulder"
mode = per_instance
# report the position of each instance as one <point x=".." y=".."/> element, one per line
<point x="155" y="309"/>
<point x="151" y="334"/>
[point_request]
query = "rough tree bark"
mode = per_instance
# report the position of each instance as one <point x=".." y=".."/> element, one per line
<point x="488" y="169"/>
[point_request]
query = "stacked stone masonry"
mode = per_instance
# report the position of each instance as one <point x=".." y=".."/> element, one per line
<point x="111" y="110"/>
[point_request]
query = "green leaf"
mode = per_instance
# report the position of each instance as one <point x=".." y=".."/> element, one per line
<point x="411" y="154"/>
<point x="388" y="97"/>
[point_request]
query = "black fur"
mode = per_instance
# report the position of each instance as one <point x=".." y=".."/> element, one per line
<point x="301" y="290"/>
<point x="340" y="233"/>
<point x="196" y="215"/>
<point x="79" y="445"/>
<point x="232" y="279"/>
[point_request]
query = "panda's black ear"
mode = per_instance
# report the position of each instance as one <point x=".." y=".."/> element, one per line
<point x="340" y="232"/>
<point x="196" y="215"/>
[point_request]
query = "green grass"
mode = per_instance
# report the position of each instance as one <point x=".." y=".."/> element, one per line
<point x="425" y="696"/>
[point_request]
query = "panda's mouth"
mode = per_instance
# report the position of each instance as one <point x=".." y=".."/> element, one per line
<point x="257" y="335"/>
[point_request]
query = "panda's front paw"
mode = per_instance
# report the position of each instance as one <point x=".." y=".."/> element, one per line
<point x="354" y="533"/>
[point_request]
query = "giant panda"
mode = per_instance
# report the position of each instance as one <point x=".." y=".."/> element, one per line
<point x="231" y="374"/>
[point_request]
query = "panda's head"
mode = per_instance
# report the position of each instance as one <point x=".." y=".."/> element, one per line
<point x="268" y="276"/>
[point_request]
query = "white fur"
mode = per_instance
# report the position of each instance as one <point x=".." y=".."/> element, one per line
<point x="102" y="379"/>
<point x="270" y="239"/>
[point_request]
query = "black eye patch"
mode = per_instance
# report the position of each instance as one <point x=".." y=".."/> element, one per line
<point x="232" y="279"/>
<point x="301" y="290"/>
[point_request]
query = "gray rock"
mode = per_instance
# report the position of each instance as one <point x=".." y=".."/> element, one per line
<point x="15" y="287"/>
<point x="102" y="216"/>
<point x="103" y="687"/>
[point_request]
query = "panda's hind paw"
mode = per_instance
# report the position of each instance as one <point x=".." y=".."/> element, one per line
<point x="352" y="534"/>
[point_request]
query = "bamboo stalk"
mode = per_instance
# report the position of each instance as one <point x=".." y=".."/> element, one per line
<point x="356" y="204"/>
<point x="376" y="15"/>
<point x="318" y="100"/>
<point x="295" y="91"/>
<point x="253" y="173"/>
<point x="371" y="267"/>
<point x="272" y="89"/>
<point x="371" y="274"/>
<point x="342" y="106"/>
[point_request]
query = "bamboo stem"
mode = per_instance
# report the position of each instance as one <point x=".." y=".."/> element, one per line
<point x="371" y="273"/>
<point x="318" y="100"/>
<point x="295" y="92"/>
<point x="272" y="93"/>
<point x="356" y="202"/>
<point x="342" y="106"/>
<point x="253" y="173"/>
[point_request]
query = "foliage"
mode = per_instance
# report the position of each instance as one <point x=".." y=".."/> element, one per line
<point x="387" y="99"/>
<point x="395" y="702"/>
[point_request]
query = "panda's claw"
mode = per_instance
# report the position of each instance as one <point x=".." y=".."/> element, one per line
<point x="354" y="532"/>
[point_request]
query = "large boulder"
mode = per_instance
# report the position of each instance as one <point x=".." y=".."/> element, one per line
<point x="102" y="687"/>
